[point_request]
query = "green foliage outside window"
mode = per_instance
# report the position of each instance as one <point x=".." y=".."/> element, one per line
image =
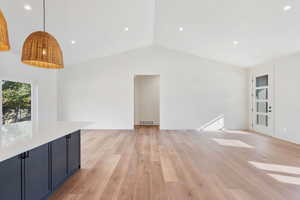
<point x="16" y="102"/>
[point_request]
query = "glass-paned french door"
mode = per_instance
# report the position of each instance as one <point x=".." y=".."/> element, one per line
<point x="262" y="101"/>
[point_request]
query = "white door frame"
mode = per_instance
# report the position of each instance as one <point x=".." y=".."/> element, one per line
<point x="134" y="98"/>
<point x="268" y="128"/>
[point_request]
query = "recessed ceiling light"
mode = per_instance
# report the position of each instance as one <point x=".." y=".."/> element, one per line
<point x="180" y="28"/>
<point x="287" y="8"/>
<point x="27" y="7"/>
<point x="126" y="29"/>
<point x="236" y="42"/>
<point x="73" y="42"/>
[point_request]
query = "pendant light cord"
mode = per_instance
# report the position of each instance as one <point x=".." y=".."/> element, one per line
<point x="44" y="9"/>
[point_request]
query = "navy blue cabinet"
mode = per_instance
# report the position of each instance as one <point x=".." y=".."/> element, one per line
<point x="36" y="173"/>
<point x="26" y="177"/>
<point x="65" y="158"/>
<point x="11" y="179"/>
<point x="73" y="141"/>
<point x="59" y="161"/>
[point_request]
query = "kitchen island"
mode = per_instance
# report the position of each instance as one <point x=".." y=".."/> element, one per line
<point x="37" y="157"/>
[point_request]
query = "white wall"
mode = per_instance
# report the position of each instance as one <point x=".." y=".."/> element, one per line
<point x="286" y="106"/>
<point x="146" y="99"/>
<point x="193" y="91"/>
<point x="11" y="68"/>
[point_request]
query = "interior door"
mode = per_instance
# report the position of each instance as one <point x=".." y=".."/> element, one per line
<point x="262" y="101"/>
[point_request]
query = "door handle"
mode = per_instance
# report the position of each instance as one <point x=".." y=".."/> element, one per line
<point x="22" y="156"/>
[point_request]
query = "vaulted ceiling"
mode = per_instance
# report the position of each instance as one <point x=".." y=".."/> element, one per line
<point x="239" y="32"/>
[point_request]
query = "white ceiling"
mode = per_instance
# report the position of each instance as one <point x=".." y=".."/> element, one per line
<point x="97" y="26"/>
<point x="262" y="28"/>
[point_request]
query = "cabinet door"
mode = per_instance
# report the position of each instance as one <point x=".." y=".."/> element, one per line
<point x="36" y="168"/>
<point x="10" y="179"/>
<point x="73" y="152"/>
<point x="59" y="161"/>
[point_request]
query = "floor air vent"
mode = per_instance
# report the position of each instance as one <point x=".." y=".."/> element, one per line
<point x="146" y="122"/>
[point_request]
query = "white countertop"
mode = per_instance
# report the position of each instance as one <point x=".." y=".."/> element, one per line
<point x="21" y="137"/>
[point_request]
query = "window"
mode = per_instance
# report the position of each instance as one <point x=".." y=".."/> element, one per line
<point x="262" y="81"/>
<point x="16" y="102"/>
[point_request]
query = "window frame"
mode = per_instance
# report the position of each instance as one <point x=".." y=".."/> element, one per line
<point x="34" y="98"/>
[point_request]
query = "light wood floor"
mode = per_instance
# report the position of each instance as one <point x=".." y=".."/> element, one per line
<point x="148" y="164"/>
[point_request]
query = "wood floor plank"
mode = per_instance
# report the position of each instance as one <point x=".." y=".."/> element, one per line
<point x="99" y="178"/>
<point x="169" y="172"/>
<point x="113" y="187"/>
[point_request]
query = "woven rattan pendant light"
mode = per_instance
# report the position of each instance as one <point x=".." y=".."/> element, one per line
<point x="4" y="42"/>
<point x="41" y="49"/>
